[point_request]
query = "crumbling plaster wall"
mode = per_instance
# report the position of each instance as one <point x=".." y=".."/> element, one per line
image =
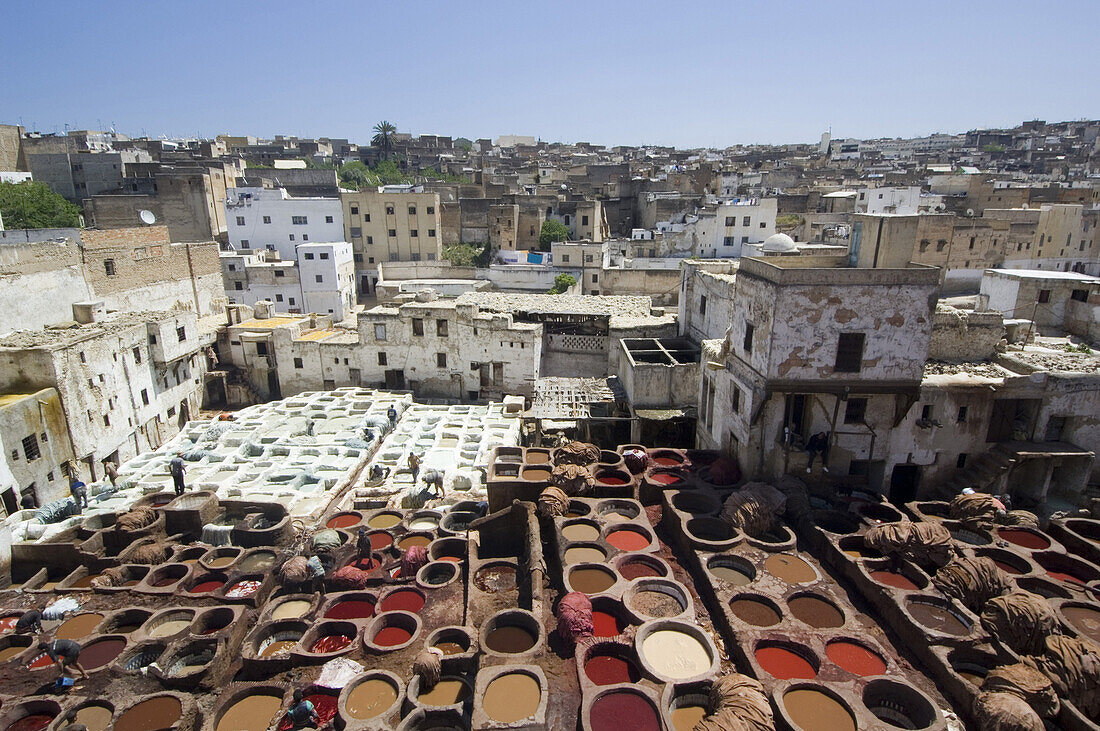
<point x="964" y="335"/>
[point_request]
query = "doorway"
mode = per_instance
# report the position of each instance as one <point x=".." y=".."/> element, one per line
<point x="395" y="380"/>
<point x="794" y="419"/>
<point x="903" y="483"/>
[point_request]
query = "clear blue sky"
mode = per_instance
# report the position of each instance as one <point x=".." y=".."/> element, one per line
<point x="631" y="72"/>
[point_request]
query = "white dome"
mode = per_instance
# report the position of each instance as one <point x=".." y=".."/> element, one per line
<point x="778" y="243"/>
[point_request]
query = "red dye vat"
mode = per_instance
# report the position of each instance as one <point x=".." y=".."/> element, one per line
<point x="623" y="709"/>
<point x="1007" y="567"/>
<point x="342" y="521"/>
<point x="608" y="670"/>
<point x="331" y="643"/>
<point x="392" y="636"/>
<point x="1070" y="578"/>
<point x="243" y="588"/>
<point x="636" y="569"/>
<point x="856" y="659"/>
<point x="1024" y="538"/>
<point x="666" y="461"/>
<point x="36" y="722"/>
<point x="452" y="559"/>
<point x="325" y="705"/>
<point x="365" y="564"/>
<point x="611" y="480"/>
<point x="42" y="661"/>
<point x="206" y="586"/>
<point x="784" y="664"/>
<point x="351" y="609"/>
<point x="7" y="623"/>
<point x="605" y="624"/>
<point x="627" y="540"/>
<point x="891" y="578"/>
<point x="665" y="478"/>
<point x="405" y="600"/>
<point x="378" y="541"/>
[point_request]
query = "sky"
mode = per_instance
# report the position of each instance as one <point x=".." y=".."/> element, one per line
<point x="633" y="72"/>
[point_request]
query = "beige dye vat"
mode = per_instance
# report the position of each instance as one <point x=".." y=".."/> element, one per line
<point x="96" y="718"/>
<point x="584" y="554"/>
<point x="816" y="612"/>
<point x="511" y="697"/>
<point x="292" y="609"/>
<point x="370" y="698"/>
<point x="684" y="718"/>
<point x="167" y="629"/>
<point x="221" y="562"/>
<point x="730" y="575"/>
<point x="424" y="524"/>
<point x="446" y="692"/>
<point x="409" y="541"/>
<point x="675" y="654"/>
<point x="813" y="710"/>
<point x="580" y="532"/>
<point x="937" y="618"/>
<point x="9" y="652"/>
<point x="591" y="581"/>
<point x="258" y="561"/>
<point x="384" y="520"/>
<point x="79" y="626"/>
<point x="1085" y="620"/>
<point x="279" y="647"/>
<point x="251" y="713"/>
<point x="791" y="569"/>
<point x="449" y="648"/>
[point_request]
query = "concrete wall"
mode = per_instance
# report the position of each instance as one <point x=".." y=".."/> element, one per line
<point x="962" y="335"/>
<point x="38" y="415"/>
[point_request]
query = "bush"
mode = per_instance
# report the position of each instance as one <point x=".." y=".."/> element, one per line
<point x="32" y="204"/>
<point x="562" y="283"/>
<point x="552" y="231"/>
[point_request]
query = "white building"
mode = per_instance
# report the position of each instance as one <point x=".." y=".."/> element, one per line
<point x="319" y="279"/>
<point x="265" y="218"/>
<point x="327" y="274"/>
<point x="888" y="200"/>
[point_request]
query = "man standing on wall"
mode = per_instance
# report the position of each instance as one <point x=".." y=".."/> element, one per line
<point x="177" y="469"/>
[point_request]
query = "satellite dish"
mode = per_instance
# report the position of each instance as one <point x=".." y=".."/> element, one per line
<point x="147" y="217"/>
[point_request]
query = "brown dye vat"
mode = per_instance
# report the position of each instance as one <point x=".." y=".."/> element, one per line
<point x="221" y="562"/>
<point x="156" y="713"/>
<point x="684" y="718"/>
<point x="937" y="618"/>
<point x="167" y="629"/>
<point x="510" y="639"/>
<point x="495" y="579"/>
<point x="580" y="532"/>
<point x="446" y="692"/>
<point x="85" y="582"/>
<point x="449" y="648"/>
<point x="1086" y="620"/>
<point x="125" y="629"/>
<point x="370" y="699"/>
<point x="292" y="609"/>
<point x="791" y="569"/>
<point x="591" y="581"/>
<point x="535" y="474"/>
<point x="409" y="541"/>
<point x="584" y="554"/>
<point x="9" y="652"/>
<point x="511" y="697"/>
<point x="730" y="575"/>
<point x="384" y="520"/>
<point x="894" y="579"/>
<point x="631" y="570"/>
<point x="96" y="718"/>
<point x="655" y="604"/>
<point x="816" y="612"/>
<point x="813" y="710"/>
<point x="278" y="648"/>
<point x="537" y="458"/>
<point x="251" y="713"/>
<point x="258" y="561"/>
<point x="1008" y="568"/>
<point x="79" y="626"/>
<point x="754" y="612"/>
<point x="99" y="653"/>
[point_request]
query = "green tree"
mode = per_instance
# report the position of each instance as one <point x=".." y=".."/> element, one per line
<point x="562" y="283"/>
<point x="383" y="137"/>
<point x="388" y="172"/>
<point x="357" y="175"/>
<point x="33" y="205"/>
<point x="552" y="231"/>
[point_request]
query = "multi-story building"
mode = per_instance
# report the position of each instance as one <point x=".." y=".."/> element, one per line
<point x="76" y="176"/>
<point x="888" y="200"/>
<point x="265" y="218"/>
<point x="319" y="279"/>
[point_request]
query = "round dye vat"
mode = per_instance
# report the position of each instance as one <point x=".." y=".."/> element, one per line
<point x="609" y="670"/>
<point x="611" y="479"/>
<point x="495" y="579"/>
<point x="331" y="643"/>
<point x="280" y="647"/>
<point x="666" y="478"/>
<point x="784" y="664"/>
<point x="446" y="692"/>
<point x="392" y="636"/>
<point x="85" y="582"/>
<point x="791" y="569"/>
<point x="424" y="523"/>
<point x="894" y="579"/>
<point x="1086" y="620"/>
<point x="346" y="520"/>
<point x="9" y="652"/>
<point x="675" y="654"/>
<point x="1008" y="568"/>
<point x="625" y="539"/>
<point x="605" y="624"/>
<point x="8" y="623"/>
<point x="99" y="653"/>
<point x="631" y="570"/>
<point x="450" y="648"/>
<point x="730" y="575"/>
<point x="243" y="589"/>
<point x="351" y="609"/>
<point x="510" y="639"/>
<point x="221" y="562"/>
<point x="292" y="609"/>
<point x="258" y="561"/>
<point x="149" y="715"/>
<point x="324" y="704"/>
<point x="656" y="604"/>
<point x="79" y="626"/>
<point x="855" y="658"/>
<point x="754" y="612"/>
<point x="380" y="540"/>
<point x="814" y="710"/>
<point x="937" y="618"/>
<point x="623" y="709"/>
<point x="205" y="587"/>
<point x="1024" y="538"/>
<point x="511" y="697"/>
<point x="1062" y="576"/>
<point x="591" y="580"/>
<point x="684" y="718"/>
<point x="535" y="474"/>
<point x="580" y="532"/>
<point x="409" y="541"/>
<point x="584" y="554"/>
<point x="365" y="564"/>
<point x="404" y="600"/>
<point x="34" y="722"/>
<point x="167" y="581"/>
<point x="251" y="713"/>
<point x="384" y="520"/>
<point x="96" y="718"/>
<point x="666" y="461"/>
<point x="370" y="698"/>
<point x="816" y="612"/>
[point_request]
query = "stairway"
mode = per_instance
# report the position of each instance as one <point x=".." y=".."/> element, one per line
<point x="981" y="473"/>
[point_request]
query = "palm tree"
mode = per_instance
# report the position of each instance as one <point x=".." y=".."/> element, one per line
<point x="383" y="136"/>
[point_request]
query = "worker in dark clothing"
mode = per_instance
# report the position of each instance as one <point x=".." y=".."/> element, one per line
<point x="362" y="544"/>
<point x="818" y="444"/>
<point x="434" y="478"/>
<point x="65" y="653"/>
<point x="27" y="501"/>
<point x="111" y="470"/>
<point x="30" y="622"/>
<point x="392" y="414"/>
<point x="177" y="469"/>
<point x="302" y="712"/>
<point x="79" y="492"/>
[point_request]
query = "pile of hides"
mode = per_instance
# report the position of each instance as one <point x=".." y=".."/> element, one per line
<point x="149" y="554"/>
<point x="1015" y="698"/>
<point x="1073" y="667"/>
<point x="572" y="479"/>
<point x="754" y="509"/>
<point x="737" y="703"/>
<point x="294" y="571"/>
<point x="110" y="577"/>
<point x="349" y="578"/>
<point x="575" y="617"/>
<point x="415" y="558"/>
<point x="326" y="540"/>
<point x="977" y="510"/>
<point x="973" y="581"/>
<point x="636" y="460"/>
<point x="1021" y="621"/>
<point x="578" y="453"/>
<point x="924" y="543"/>
<point x="135" y="520"/>
<point x="553" y="503"/>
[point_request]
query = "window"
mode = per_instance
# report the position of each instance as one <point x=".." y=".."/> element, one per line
<point x="744" y="239"/>
<point x="280" y="273"/>
<point x="152" y="341"/>
<point x="412" y="210"/>
<point x="731" y="220"/>
<point x="746" y="345"/>
<point x="735" y="399"/>
<point x="370" y="241"/>
<point x="308" y="256"/>
<point x="381" y="358"/>
<point x="299" y="220"/>
<point x="962" y="414"/>
<point x="238" y="286"/>
<point x="145" y="396"/>
<point x="357" y="257"/>
<point x="565" y="258"/>
<point x="392" y="232"/>
<point x="30" y="448"/>
<point x="267" y="219"/>
<point x="441" y="328"/>
<point x="181" y="333"/>
<point x="924" y="243"/>
<point x="961" y="461"/>
<point x="1079" y="295"/>
<point x="431" y="234"/>
<point x="393" y="256"/>
<point x="703" y="304"/>
<point x="763" y="224"/>
<point x="746" y="221"/>
<point x="244" y="243"/>
<point x="107" y="419"/>
<point x="291" y="300"/>
<point x="298" y="363"/>
<point x="328" y="219"/>
<point x="413" y="233"/>
<point x="595" y="278"/>
<point x="355" y="210"/>
<point x="240" y="220"/>
<point x="972" y="242"/>
<point x="926" y="412"/>
<point x="305" y="237"/>
<point x="1044" y="296"/>
<point x="137" y="354"/>
<point x="320" y="278"/>
<point x="261" y="348"/>
<point x="854" y="410"/>
<point x="278" y="298"/>
<point x="324" y="255"/>
<point x="418" y="327"/>
<point x="849" y="353"/>
<point x="441" y="360"/>
<point x="370" y="259"/>
<point x="389" y="210"/>
<point x="366" y="218"/>
<point x="380" y="332"/>
<point x="587" y="258"/>
<point x="431" y="210"/>
<point x="109" y="267"/>
<point x="584" y="220"/>
<point x="292" y="237"/>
